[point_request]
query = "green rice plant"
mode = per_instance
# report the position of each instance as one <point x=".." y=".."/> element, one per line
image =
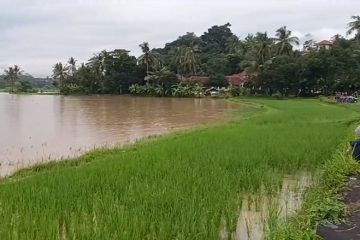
<point x="322" y="204"/>
<point x="180" y="186"/>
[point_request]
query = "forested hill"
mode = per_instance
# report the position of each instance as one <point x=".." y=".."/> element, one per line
<point x="261" y="63"/>
<point x="35" y="82"/>
<point x="275" y="62"/>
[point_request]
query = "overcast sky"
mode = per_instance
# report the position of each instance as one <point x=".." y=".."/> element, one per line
<point x="35" y="34"/>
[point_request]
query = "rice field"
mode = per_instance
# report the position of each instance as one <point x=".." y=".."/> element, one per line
<point x="186" y="185"/>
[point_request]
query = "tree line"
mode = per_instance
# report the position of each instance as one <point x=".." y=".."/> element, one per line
<point x="14" y="80"/>
<point x="279" y="65"/>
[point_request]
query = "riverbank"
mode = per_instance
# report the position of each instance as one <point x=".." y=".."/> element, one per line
<point x="60" y="127"/>
<point x="31" y="93"/>
<point x="184" y="185"/>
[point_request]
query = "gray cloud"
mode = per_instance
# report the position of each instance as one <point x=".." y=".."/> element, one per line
<point x="35" y="34"/>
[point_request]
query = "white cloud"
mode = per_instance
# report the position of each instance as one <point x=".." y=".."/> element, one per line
<point x="38" y="33"/>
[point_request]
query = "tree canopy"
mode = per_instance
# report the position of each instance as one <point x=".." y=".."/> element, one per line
<point x="276" y="61"/>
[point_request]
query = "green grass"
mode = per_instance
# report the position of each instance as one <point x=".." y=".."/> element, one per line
<point x="180" y="186"/>
<point x="322" y="203"/>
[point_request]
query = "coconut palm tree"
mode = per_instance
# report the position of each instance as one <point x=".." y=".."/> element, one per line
<point x="97" y="64"/>
<point x="234" y="46"/>
<point x="179" y="60"/>
<point x="149" y="58"/>
<point x="191" y="59"/>
<point x="263" y="47"/>
<point x="187" y="59"/>
<point x="164" y="79"/>
<point x="60" y="72"/>
<point x="13" y="74"/>
<point x="354" y="26"/>
<point x="285" y="41"/>
<point x="72" y="66"/>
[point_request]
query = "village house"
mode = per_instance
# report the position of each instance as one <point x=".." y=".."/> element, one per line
<point x="239" y="79"/>
<point x="325" y="44"/>
<point x="234" y="80"/>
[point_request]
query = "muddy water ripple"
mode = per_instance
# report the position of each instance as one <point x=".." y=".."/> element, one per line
<point x="37" y="129"/>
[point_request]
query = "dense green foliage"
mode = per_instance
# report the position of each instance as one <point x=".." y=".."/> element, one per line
<point x="178" y="90"/>
<point x="106" y="72"/>
<point x="12" y="75"/>
<point x="277" y="64"/>
<point x="14" y="80"/>
<point x="177" y="187"/>
<point x="320" y="71"/>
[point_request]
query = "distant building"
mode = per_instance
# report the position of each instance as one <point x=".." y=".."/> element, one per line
<point x="234" y="80"/>
<point x="201" y="80"/>
<point x="325" y="44"/>
<point x="239" y="79"/>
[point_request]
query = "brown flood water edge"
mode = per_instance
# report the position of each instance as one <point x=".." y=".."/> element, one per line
<point x="41" y="128"/>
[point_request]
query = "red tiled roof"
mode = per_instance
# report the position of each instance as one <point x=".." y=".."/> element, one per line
<point x="239" y="79"/>
<point x="325" y="43"/>
<point x="236" y="79"/>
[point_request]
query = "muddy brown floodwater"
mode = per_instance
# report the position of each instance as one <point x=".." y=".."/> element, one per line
<point x="37" y="128"/>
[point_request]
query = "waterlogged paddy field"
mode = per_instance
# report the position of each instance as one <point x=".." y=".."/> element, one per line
<point x="190" y="185"/>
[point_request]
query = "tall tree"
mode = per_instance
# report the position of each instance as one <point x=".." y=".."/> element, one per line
<point x="164" y="78"/>
<point x="72" y="66"/>
<point x="263" y="47"/>
<point x="234" y="46"/>
<point x="12" y="74"/>
<point x="215" y="40"/>
<point x="191" y="60"/>
<point x="98" y="66"/>
<point x="179" y="60"/>
<point x="120" y="71"/>
<point x="187" y="60"/>
<point x="354" y="26"/>
<point x="187" y="40"/>
<point x="60" y="72"/>
<point x="285" y="41"/>
<point x="309" y="45"/>
<point x="149" y="58"/>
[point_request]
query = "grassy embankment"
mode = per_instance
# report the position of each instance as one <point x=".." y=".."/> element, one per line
<point x="180" y="186"/>
<point x="322" y="202"/>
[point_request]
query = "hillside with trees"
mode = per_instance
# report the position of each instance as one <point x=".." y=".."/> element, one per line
<point x="277" y="64"/>
<point x="15" y="80"/>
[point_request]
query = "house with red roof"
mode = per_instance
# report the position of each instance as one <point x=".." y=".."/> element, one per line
<point x="325" y="44"/>
<point x="238" y="79"/>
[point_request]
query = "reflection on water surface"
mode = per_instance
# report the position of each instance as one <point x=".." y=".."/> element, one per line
<point x="40" y="128"/>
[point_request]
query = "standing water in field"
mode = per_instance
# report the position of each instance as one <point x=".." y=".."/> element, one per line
<point x="257" y="209"/>
<point x="36" y="129"/>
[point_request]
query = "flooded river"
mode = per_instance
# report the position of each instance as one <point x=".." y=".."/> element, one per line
<point x="36" y="128"/>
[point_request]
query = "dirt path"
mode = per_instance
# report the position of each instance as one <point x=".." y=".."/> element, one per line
<point x="351" y="229"/>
